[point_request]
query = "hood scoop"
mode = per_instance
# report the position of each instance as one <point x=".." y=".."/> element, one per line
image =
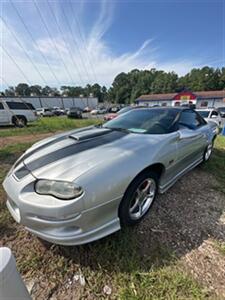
<point x="90" y="134"/>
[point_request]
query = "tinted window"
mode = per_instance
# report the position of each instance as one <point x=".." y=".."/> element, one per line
<point x="152" y="121"/>
<point x="1" y="106"/>
<point x="204" y="113"/>
<point x="29" y="106"/>
<point x="19" y="105"/>
<point x="190" y="119"/>
<point x="214" y="113"/>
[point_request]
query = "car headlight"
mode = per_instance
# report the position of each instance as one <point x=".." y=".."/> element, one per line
<point x="59" y="189"/>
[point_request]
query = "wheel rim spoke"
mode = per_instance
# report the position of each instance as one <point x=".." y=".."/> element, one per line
<point x="143" y="198"/>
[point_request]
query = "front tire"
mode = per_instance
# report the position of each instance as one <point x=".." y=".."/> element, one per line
<point x="138" y="198"/>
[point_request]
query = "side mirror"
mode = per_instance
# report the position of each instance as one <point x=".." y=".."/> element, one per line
<point x="213" y="116"/>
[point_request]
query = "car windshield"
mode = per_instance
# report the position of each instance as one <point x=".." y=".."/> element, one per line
<point x="151" y="121"/>
<point x="203" y="113"/>
<point x="221" y="109"/>
<point x="123" y="110"/>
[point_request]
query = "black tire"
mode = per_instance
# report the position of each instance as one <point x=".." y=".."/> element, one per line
<point x="129" y="197"/>
<point x="19" y="121"/>
<point x="208" y="152"/>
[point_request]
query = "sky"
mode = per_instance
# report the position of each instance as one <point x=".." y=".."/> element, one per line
<point x="67" y="42"/>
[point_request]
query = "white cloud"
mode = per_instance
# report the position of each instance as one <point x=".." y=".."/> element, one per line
<point x="88" y="53"/>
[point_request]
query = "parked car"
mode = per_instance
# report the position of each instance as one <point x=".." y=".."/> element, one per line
<point x="221" y="110"/>
<point x="87" y="109"/>
<point x="99" y="111"/>
<point x="81" y="185"/>
<point x="111" y="116"/>
<point x="75" y="112"/>
<point x="58" y="111"/>
<point x="210" y="114"/>
<point x="45" y="112"/>
<point x="114" y="109"/>
<point x="16" y="113"/>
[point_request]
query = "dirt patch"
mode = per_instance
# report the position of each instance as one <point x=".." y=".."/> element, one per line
<point x="207" y="265"/>
<point x="9" y="140"/>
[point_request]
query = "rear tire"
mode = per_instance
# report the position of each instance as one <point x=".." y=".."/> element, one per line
<point x="138" y="198"/>
<point x="208" y="152"/>
<point x="19" y="121"/>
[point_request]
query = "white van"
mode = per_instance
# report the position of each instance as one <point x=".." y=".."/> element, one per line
<point x="16" y="113"/>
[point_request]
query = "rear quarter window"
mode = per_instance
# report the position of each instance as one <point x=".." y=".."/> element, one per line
<point x="1" y="106"/>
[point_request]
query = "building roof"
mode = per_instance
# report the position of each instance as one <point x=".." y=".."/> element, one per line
<point x="157" y="96"/>
<point x="170" y="96"/>
<point x="210" y="94"/>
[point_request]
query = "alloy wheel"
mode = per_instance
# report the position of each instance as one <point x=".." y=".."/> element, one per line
<point x="143" y="198"/>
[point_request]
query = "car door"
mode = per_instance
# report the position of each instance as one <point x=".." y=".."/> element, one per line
<point x="4" y="116"/>
<point x="192" y="140"/>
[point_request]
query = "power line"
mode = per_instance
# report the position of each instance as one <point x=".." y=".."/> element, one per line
<point x="75" y="43"/>
<point x="32" y="38"/>
<point x="68" y="48"/>
<point x="52" y="40"/>
<point x="25" y="51"/>
<point x="13" y="60"/>
<point x="83" y="40"/>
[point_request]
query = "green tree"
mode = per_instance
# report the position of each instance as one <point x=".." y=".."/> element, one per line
<point x="36" y="90"/>
<point x="22" y="89"/>
<point x="10" y="91"/>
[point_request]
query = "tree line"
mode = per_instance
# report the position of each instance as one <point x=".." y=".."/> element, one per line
<point x="126" y="87"/>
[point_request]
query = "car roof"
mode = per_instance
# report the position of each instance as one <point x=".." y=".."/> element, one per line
<point x="205" y="109"/>
<point x="177" y="108"/>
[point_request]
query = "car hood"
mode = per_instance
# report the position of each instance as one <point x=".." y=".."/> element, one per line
<point x="69" y="155"/>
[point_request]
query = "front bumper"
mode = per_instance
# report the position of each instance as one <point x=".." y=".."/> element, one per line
<point x="58" y="221"/>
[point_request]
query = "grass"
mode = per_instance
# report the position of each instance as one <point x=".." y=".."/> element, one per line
<point x="216" y="165"/>
<point x="11" y="152"/>
<point x="164" y="283"/>
<point x="44" y="125"/>
<point x="220" y="247"/>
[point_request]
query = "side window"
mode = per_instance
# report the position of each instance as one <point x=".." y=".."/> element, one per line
<point x="16" y="105"/>
<point x="1" y="106"/>
<point x="190" y="119"/>
<point x="214" y="113"/>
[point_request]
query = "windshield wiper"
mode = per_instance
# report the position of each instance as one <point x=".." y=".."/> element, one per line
<point x="118" y="129"/>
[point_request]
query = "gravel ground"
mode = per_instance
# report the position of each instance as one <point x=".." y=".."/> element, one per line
<point x="188" y="219"/>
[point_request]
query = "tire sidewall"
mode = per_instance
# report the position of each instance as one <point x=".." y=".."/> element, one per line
<point x="124" y="215"/>
<point x="205" y="159"/>
<point x="20" y="125"/>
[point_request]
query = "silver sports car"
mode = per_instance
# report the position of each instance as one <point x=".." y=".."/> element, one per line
<point x="82" y="185"/>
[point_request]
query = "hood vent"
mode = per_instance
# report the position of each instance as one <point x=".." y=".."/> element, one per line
<point x="84" y="136"/>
